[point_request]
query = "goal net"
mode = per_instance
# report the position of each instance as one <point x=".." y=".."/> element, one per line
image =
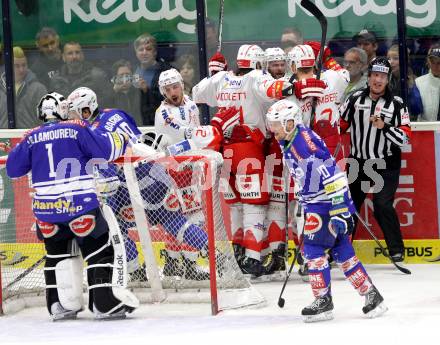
<point x="170" y="214"/>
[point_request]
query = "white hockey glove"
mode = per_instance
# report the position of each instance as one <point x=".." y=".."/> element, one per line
<point x="142" y="150"/>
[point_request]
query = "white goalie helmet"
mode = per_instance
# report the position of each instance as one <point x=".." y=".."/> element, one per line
<point x="82" y="98"/>
<point x="283" y="111"/>
<point x="302" y="55"/>
<point x="274" y="54"/>
<point x="169" y="77"/>
<point x="52" y="106"/>
<point x="249" y="55"/>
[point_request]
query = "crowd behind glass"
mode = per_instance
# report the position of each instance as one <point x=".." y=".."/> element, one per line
<point x="131" y="82"/>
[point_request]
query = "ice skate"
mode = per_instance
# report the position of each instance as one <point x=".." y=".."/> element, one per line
<point x="193" y="271"/>
<point x="274" y="266"/>
<point x="172" y="266"/>
<point x="251" y="266"/>
<point x="117" y="315"/>
<point x="319" y="310"/>
<point x="58" y="312"/>
<point x="374" y="304"/>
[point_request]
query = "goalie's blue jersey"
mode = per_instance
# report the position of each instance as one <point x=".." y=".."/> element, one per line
<point x="320" y="180"/>
<point x="61" y="157"/>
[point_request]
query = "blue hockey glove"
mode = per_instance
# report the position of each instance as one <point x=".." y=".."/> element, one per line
<point x="342" y="223"/>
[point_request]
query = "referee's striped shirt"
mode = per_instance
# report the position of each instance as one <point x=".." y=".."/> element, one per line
<point x="367" y="141"/>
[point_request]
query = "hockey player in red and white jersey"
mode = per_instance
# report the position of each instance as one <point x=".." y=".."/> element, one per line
<point x="326" y="118"/>
<point x="274" y="243"/>
<point x="175" y="119"/>
<point x="250" y="91"/>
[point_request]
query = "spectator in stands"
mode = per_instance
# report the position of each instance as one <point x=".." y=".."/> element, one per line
<point x="211" y="34"/>
<point x="393" y="57"/>
<point x="290" y="38"/>
<point x="355" y="61"/>
<point x="76" y="72"/>
<point x="126" y="94"/>
<point x="426" y="92"/>
<point x="367" y="41"/>
<point x="49" y="60"/>
<point x="187" y="66"/>
<point x="28" y="92"/>
<point x="148" y="70"/>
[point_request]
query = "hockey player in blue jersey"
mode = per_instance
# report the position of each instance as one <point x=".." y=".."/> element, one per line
<point x="328" y="211"/>
<point x="58" y="154"/>
<point x="155" y="182"/>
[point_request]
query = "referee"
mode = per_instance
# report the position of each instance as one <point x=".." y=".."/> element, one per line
<point x="379" y="126"/>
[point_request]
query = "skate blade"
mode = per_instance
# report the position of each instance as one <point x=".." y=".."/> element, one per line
<point x="110" y="317"/>
<point x="325" y="316"/>
<point x="378" y="311"/>
<point x="65" y="316"/>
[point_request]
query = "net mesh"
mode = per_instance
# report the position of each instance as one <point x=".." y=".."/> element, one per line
<point x="179" y="197"/>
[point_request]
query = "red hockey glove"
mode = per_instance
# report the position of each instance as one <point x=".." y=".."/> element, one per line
<point x="280" y="89"/>
<point x="328" y="62"/>
<point x="309" y="87"/>
<point x="226" y="119"/>
<point x="217" y="63"/>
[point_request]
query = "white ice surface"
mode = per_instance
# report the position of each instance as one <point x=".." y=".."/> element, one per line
<point x="413" y="318"/>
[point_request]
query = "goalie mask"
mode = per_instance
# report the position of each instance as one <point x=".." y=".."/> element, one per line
<point x="249" y="56"/>
<point x="302" y="56"/>
<point x="280" y="113"/>
<point x="53" y="106"/>
<point x="169" y="77"/>
<point x="80" y="99"/>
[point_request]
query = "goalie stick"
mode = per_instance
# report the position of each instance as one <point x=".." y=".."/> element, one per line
<point x="313" y="9"/>
<point x="383" y="250"/>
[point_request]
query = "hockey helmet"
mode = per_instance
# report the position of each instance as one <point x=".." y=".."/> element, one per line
<point x="82" y="98"/>
<point x="52" y="106"/>
<point x="302" y="55"/>
<point x="381" y="65"/>
<point x="274" y="54"/>
<point x="169" y="77"/>
<point x="249" y="56"/>
<point x="283" y="111"/>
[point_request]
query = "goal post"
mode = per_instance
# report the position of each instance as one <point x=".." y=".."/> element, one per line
<point x="170" y="210"/>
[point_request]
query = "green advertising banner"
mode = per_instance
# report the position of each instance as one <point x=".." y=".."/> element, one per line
<point x="120" y="21"/>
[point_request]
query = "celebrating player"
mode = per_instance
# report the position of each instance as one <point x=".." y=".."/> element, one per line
<point x="65" y="204"/>
<point x="328" y="211"/>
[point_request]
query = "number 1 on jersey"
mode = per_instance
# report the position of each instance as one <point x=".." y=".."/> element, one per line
<point x="52" y="172"/>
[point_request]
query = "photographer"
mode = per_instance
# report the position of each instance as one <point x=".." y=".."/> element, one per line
<point x="126" y="93"/>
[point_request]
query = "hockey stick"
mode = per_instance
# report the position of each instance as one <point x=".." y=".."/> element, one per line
<point x="26" y="272"/>
<point x="220" y="25"/>
<point x="313" y="9"/>
<point x="281" y="300"/>
<point x="400" y="268"/>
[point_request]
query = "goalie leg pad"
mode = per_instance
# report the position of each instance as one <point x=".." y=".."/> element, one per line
<point x="69" y="277"/>
<point x="237" y="223"/>
<point x="107" y="271"/>
<point x="63" y="277"/>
